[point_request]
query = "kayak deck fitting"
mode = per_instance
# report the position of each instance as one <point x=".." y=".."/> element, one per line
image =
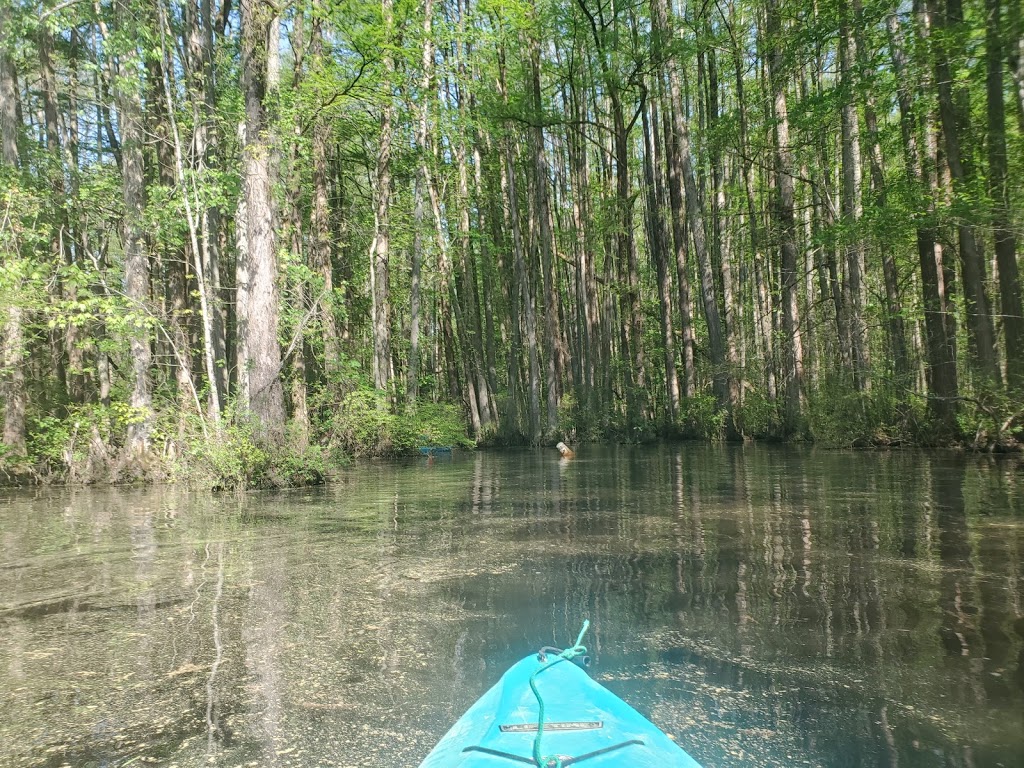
<point x="546" y="711"/>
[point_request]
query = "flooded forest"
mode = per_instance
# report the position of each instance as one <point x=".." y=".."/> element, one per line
<point x="233" y="231"/>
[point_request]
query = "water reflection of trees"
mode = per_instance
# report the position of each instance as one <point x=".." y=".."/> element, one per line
<point x="755" y="601"/>
<point x="881" y="590"/>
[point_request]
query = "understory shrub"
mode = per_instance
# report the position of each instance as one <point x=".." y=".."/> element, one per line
<point x="840" y="416"/>
<point x="701" y="418"/>
<point x="758" y="417"/>
<point x="992" y="419"/>
<point x="234" y="454"/>
<point x="362" y="423"/>
<point x="88" y="445"/>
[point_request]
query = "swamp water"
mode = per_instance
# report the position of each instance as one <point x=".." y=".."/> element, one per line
<point x="764" y="606"/>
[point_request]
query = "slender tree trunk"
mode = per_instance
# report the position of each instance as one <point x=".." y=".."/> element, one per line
<point x="579" y="172"/>
<point x="321" y="251"/>
<point x="471" y="326"/>
<point x="894" y="305"/>
<point x="523" y="289"/>
<point x="1015" y="59"/>
<point x="552" y="330"/>
<point x="939" y="338"/>
<point x="58" y="220"/>
<point x="127" y="90"/>
<point x="412" y="388"/>
<point x="12" y="372"/>
<point x="953" y="112"/>
<point x="999" y="189"/>
<point x="631" y="335"/>
<point x="171" y="263"/>
<point x="657" y="238"/>
<point x="681" y="251"/>
<point x="208" y="261"/>
<point x="260" y="312"/>
<point x="721" y="375"/>
<point x="722" y="254"/>
<point x="786" y="223"/>
<point x="490" y="300"/>
<point x="380" y="251"/>
<point x="852" y="207"/>
<point x="75" y="340"/>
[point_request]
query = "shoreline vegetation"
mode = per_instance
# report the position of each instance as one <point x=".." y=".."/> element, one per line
<point x="241" y="244"/>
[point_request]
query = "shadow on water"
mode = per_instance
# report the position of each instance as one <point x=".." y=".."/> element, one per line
<point x="765" y="606"/>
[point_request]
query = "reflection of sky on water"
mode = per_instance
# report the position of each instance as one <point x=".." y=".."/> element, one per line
<point x="764" y="606"/>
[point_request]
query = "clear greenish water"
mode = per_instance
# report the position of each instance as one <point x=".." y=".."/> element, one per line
<point x="765" y="606"/>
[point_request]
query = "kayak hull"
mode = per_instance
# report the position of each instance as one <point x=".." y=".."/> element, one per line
<point x="584" y="724"/>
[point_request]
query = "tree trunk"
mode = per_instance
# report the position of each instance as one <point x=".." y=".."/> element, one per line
<point x="657" y="239"/>
<point x="552" y="330"/>
<point x="681" y="250"/>
<point x="894" y="305"/>
<point x="939" y="338"/>
<point x="260" y="312"/>
<point x="380" y="250"/>
<point x="953" y="112"/>
<point x="127" y="90"/>
<point x="321" y="251"/>
<point x="722" y="254"/>
<point x="12" y="373"/>
<point x="1015" y="59"/>
<point x="412" y="385"/>
<point x="786" y="223"/>
<point x="695" y="219"/>
<point x="207" y="261"/>
<point x="999" y="189"/>
<point x="586" y="277"/>
<point x="852" y="207"/>
<point x="471" y="327"/>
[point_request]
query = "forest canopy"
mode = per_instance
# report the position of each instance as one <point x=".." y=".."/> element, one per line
<point x="233" y="232"/>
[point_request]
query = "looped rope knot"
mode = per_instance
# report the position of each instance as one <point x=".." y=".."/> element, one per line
<point x="567" y="655"/>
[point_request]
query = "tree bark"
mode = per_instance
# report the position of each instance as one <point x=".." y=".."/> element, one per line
<point x="12" y="373"/>
<point x="941" y="375"/>
<point x="381" y="248"/>
<point x="681" y="250"/>
<point x="552" y="329"/>
<point x="852" y="207"/>
<point x="321" y="251"/>
<point x="259" y="332"/>
<point x="786" y="223"/>
<point x="999" y="190"/>
<point x="895" y="323"/>
<point x="721" y="375"/>
<point x="954" y="112"/>
<point x="202" y="92"/>
<point x="657" y="239"/>
<point x="722" y="254"/>
<point x="128" y="96"/>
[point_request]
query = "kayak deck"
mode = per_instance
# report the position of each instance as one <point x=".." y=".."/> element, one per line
<point x="584" y="724"/>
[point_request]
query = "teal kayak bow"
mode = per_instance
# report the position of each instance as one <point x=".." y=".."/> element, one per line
<point x="547" y="711"/>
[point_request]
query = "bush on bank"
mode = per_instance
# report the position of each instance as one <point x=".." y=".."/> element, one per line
<point x="88" y="443"/>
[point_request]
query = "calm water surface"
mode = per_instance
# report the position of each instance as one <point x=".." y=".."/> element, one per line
<point x="766" y="607"/>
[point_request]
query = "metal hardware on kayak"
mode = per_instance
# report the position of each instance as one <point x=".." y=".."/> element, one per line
<point x="581" y="723"/>
<point x="559" y="760"/>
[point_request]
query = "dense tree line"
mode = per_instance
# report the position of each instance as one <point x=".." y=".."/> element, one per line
<point x="780" y="218"/>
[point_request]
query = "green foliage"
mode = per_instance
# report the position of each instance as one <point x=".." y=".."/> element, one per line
<point x="992" y="420"/>
<point x="234" y="455"/>
<point x="700" y="417"/>
<point x="758" y="417"/>
<point x="361" y="422"/>
<point x="83" y="446"/>
<point x="839" y="416"/>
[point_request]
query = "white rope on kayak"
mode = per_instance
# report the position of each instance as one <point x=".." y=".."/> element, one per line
<point x="567" y="655"/>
